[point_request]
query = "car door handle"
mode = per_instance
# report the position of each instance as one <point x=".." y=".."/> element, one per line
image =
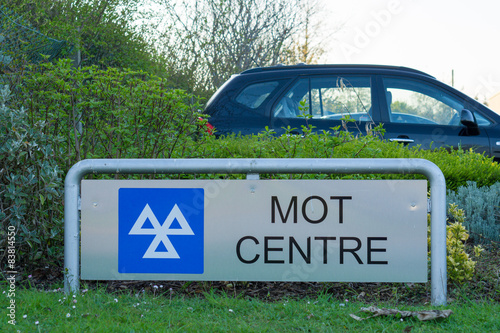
<point x="402" y="140"/>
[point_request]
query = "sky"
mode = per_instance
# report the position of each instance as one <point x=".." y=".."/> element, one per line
<point x="435" y="36"/>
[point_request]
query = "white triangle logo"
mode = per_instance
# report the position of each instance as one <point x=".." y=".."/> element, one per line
<point x="161" y="232"/>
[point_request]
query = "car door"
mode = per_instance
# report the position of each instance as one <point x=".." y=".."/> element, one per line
<point x="420" y="113"/>
<point x="326" y="102"/>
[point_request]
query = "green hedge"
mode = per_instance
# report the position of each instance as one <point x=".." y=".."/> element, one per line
<point x="458" y="166"/>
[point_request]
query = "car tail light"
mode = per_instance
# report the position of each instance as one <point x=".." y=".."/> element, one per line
<point x="209" y="127"/>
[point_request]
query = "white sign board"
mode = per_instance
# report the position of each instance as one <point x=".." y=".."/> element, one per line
<point x="254" y="230"/>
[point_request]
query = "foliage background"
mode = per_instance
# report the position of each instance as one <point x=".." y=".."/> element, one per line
<point x="108" y="33"/>
<point x="196" y="44"/>
<point x="118" y="98"/>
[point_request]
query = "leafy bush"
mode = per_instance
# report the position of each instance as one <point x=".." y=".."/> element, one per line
<point x="73" y="114"/>
<point x="482" y="210"/>
<point x="460" y="267"/>
<point x="109" y="113"/>
<point x="30" y="188"/>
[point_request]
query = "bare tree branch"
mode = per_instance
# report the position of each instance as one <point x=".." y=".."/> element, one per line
<point x="213" y="39"/>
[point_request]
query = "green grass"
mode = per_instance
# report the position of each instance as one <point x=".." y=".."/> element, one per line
<point x="165" y="311"/>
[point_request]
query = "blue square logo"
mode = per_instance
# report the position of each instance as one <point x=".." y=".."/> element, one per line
<point x="161" y="230"/>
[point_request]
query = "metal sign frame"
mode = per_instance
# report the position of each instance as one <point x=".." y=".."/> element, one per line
<point x="253" y="167"/>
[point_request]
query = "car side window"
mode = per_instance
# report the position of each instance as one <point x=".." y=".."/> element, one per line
<point x="255" y="94"/>
<point x="331" y="97"/>
<point x="295" y="101"/>
<point x="414" y="102"/>
<point x="481" y="120"/>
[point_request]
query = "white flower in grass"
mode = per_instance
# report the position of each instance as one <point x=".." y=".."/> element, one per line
<point x="68" y="315"/>
<point x="116" y="300"/>
<point x="25" y="316"/>
<point x="37" y="322"/>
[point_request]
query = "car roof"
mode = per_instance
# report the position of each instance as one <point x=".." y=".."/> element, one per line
<point x="357" y="67"/>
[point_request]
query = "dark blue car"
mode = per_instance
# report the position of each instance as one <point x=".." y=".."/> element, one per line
<point x="414" y="107"/>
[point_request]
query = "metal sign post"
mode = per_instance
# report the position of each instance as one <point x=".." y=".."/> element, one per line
<point x="260" y="251"/>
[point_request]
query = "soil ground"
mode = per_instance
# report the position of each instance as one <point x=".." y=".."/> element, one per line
<point x="484" y="286"/>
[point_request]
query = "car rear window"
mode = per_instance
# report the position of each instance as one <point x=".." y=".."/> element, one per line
<point x="255" y="94"/>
